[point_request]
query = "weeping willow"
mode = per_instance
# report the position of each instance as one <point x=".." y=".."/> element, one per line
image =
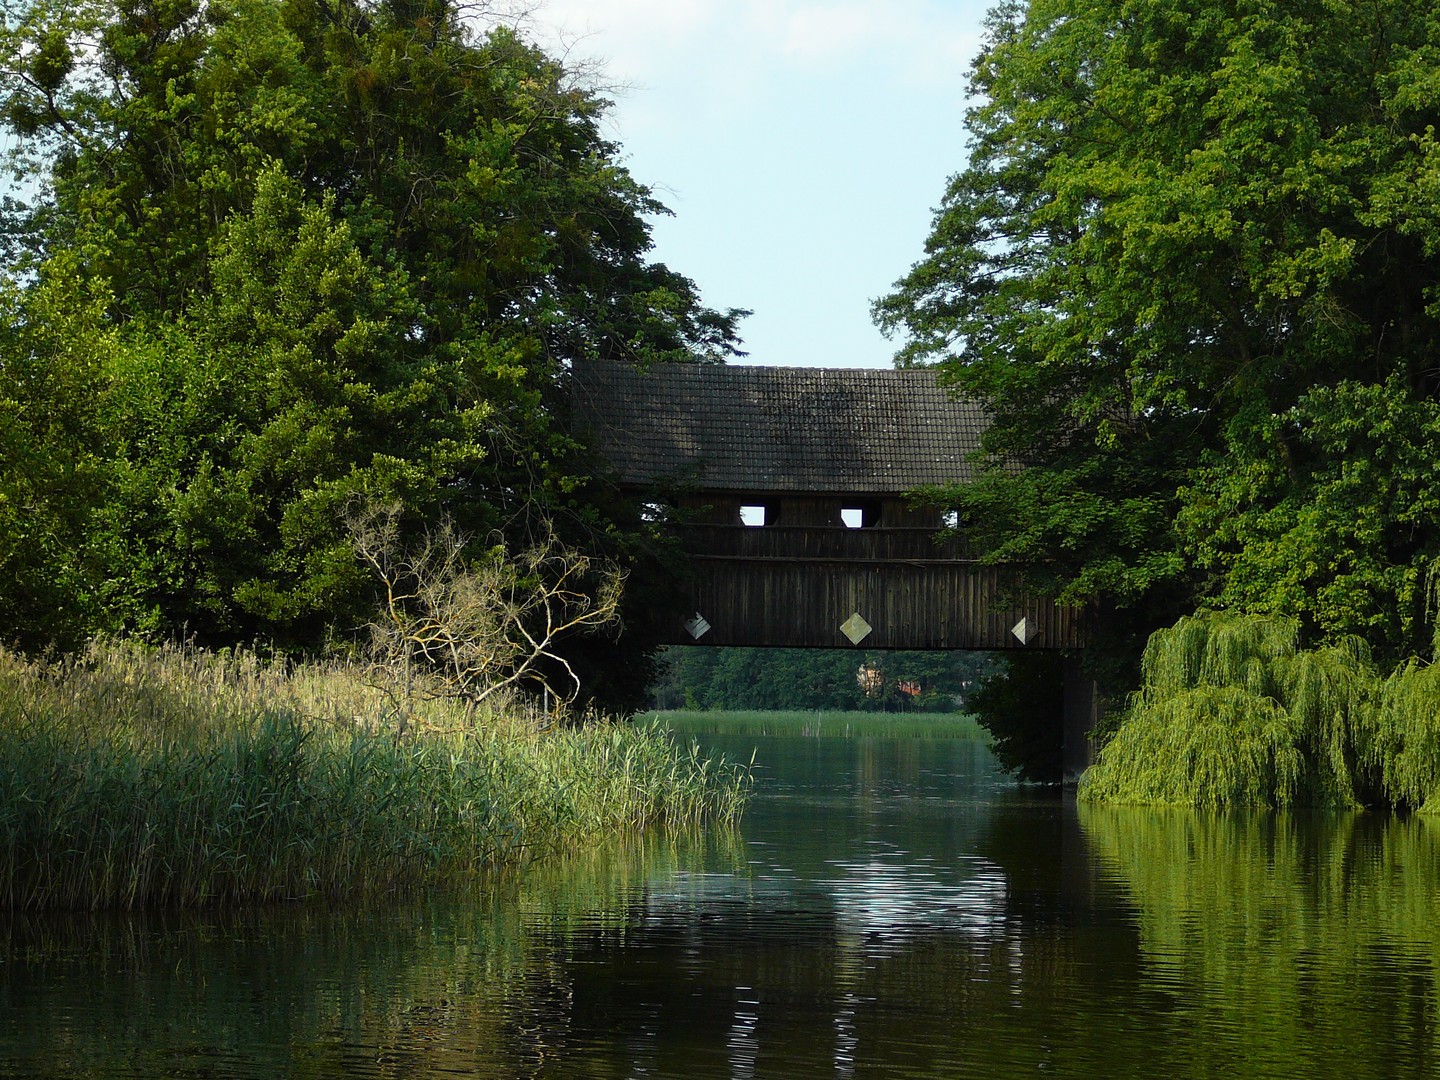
<point x="1405" y="741"/>
<point x="1232" y="712"/>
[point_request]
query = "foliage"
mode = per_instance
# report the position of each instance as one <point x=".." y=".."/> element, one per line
<point x="1190" y="266"/>
<point x="1341" y="537"/>
<point x="1022" y="705"/>
<point x="243" y="428"/>
<point x="1406" y="736"/>
<point x="137" y="777"/>
<point x="785" y="679"/>
<point x="53" y="456"/>
<point x="470" y="627"/>
<point x="283" y="255"/>
<point x="1233" y="712"/>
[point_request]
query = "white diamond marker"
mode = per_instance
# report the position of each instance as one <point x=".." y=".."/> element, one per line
<point x="1025" y="630"/>
<point x="855" y="628"/>
<point x="697" y="627"/>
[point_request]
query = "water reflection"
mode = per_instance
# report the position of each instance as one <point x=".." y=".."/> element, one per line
<point x="1296" y="942"/>
<point x="891" y="909"/>
<point x="894" y="901"/>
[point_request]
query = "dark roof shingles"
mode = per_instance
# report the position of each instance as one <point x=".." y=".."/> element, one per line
<point x="751" y="428"/>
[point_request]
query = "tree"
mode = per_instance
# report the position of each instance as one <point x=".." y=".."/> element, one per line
<point x="53" y="458"/>
<point x="1190" y="263"/>
<point x="457" y="624"/>
<point x="1021" y="704"/>
<point x="334" y="250"/>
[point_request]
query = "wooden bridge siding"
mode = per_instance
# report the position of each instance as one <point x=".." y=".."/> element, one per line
<point x="782" y="542"/>
<point x="909" y="605"/>
<point x="786" y="510"/>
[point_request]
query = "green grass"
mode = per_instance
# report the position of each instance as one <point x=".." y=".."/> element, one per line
<point x="824" y="724"/>
<point x="133" y="776"/>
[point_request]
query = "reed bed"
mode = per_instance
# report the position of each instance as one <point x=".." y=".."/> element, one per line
<point x="134" y="776"/>
<point x="820" y="724"/>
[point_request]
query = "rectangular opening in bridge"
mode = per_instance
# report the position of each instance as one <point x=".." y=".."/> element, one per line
<point x="864" y="516"/>
<point x="752" y="516"/>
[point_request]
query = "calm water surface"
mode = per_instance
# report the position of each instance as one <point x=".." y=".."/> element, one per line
<point x="889" y="908"/>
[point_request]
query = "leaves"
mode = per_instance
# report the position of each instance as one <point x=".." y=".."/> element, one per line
<point x="1342" y="538"/>
<point x="1233" y="713"/>
<point x="307" y="253"/>
<point x="1189" y="266"/>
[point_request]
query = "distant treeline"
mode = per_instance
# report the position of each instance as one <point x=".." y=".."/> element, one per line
<point x="749" y="678"/>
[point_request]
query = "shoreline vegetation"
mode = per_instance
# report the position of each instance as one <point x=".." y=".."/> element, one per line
<point x="821" y="723"/>
<point x="1234" y="712"/>
<point x="138" y="776"/>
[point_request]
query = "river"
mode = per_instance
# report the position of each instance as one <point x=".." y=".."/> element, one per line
<point x="892" y="908"/>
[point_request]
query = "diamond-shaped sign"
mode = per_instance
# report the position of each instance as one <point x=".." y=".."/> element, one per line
<point x="1025" y="630"/>
<point x="697" y="627"/>
<point x="855" y="628"/>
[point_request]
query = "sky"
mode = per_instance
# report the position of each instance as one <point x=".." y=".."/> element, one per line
<point x="802" y="146"/>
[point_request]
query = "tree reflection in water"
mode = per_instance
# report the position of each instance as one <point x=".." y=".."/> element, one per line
<point x="890" y="908"/>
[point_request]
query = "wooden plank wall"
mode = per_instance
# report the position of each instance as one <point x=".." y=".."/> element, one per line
<point x="781" y="542"/>
<point x="794" y="588"/>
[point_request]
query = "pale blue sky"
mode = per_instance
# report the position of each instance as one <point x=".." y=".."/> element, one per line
<point x="801" y="145"/>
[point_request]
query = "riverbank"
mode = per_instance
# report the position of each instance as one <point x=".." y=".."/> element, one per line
<point x="132" y="776"/>
<point x="822" y="724"/>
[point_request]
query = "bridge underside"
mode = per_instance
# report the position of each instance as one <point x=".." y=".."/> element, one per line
<point x="874" y="589"/>
<point x="880" y="589"/>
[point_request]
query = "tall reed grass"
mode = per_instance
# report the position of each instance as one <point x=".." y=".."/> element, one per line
<point x="136" y="776"/>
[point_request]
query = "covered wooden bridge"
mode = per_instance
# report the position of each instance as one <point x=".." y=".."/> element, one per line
<point x="787" y="487"/>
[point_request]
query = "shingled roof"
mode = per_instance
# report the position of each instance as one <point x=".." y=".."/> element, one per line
<point x="749" y="428"/>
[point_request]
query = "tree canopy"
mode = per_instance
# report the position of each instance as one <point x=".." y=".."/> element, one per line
<point x="271" y="257"/>
<point x="1192" y="264"/>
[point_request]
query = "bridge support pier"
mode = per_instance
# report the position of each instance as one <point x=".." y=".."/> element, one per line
<point x="1081" y="713"/>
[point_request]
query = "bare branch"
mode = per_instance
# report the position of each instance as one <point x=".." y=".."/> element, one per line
<point x="452" y="627"/>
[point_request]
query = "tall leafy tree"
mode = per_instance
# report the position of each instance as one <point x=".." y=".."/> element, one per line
<point x="336" y="250"/>
<point x="1193" y="266"/>
<point x="54" y="463"/>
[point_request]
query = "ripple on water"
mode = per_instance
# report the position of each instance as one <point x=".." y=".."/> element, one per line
<point x="916" y="923"/>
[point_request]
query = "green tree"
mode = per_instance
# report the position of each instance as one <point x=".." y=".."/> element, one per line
<point x="54" y="462"/>
<point x="1021" y="703"/>
<point x="337" y="250"/>
<point x="1191" y="267"/>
